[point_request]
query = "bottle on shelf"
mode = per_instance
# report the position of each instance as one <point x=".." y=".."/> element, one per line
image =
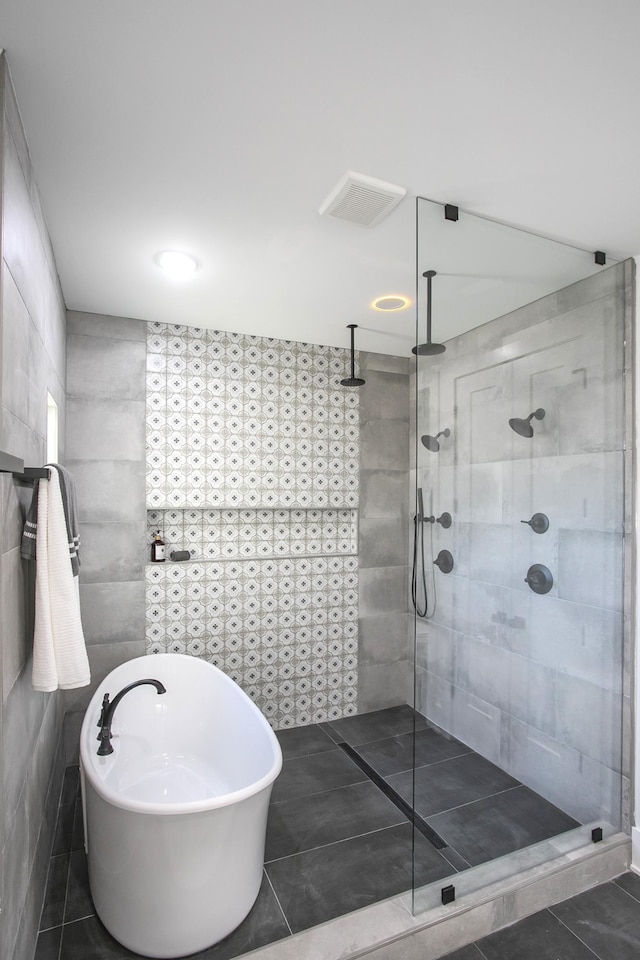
<point x="157" y="548"/>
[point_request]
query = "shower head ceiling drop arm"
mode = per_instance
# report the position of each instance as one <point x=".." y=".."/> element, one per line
<point x="428" y="349"/>
<point x="352" y="381"/>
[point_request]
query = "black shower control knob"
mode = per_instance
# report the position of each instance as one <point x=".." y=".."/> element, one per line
<point x="444" y="520"/>
<point x="539" y="522"/>
<point x="444" y="560"/>
<point x="539" y="578"/>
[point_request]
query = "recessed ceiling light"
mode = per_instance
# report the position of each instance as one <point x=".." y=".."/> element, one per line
<point x="391" y="303"/>
<point x="178" y="266"/>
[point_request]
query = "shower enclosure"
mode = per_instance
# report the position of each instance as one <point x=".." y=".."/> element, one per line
<point x="521" y="489"/>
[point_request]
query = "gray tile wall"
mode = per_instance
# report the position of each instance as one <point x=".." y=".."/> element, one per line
<point x="106" y="361"/>
<point x="32" y="326"/>
<point x="534" y="683"/>
<point x="384" y="672"/>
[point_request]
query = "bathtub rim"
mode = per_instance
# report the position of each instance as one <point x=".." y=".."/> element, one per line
<point x="90" y="761"/>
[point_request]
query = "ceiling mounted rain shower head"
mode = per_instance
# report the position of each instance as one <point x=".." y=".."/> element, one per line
<point x="432" y="443"/>
<point x="523" y="427"/>
<point x="352" y="381"/>
<point x="428" y="349"/>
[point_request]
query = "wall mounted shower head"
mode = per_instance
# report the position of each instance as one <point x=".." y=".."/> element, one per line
<point x="428" y="349"/>
<point x="432" y="443"/>
<point x="523" y="427"/>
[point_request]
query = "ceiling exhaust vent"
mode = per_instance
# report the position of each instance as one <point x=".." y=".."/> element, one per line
<point x="361" y="199"/>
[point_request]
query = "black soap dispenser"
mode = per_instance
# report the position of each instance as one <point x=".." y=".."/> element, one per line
<point x="157" y="549"/>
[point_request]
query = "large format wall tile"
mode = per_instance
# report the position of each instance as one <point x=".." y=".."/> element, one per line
<point x="105" y="429"/>
<point x="15" y="650"/>
<point x="112" y="551"/>
<point x="385" y="425"/>
<point x="32" y="325"/>
<point x="541" y="674"/>
<point x="382" y="589"/>
<point x="383" y="494"/>
<point x="109" y="489"/>
<point x="385" y="444"/>
<point x="113" y="612"/>
<point x="105" y="367"/>
<point x="99" y="325"/>
<point x="580" y="786"/>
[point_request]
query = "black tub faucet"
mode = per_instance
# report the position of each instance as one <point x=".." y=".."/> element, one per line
<point x="108" y="710"/>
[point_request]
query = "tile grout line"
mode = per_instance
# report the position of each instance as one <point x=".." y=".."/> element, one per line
<point x="367" y="743"/>
<point x="468" y="803"/>
<point x="307" y="756"/>
<point x="52" y="857"/>
<point x="572" y="932"/>
<point x="66" y="896"/>
<point x="286" y="919"/>
<point x="77" y="799"/>
<point x="433" y="763"/>
<point x="480" y="951"/>
<point x="468" y="753"/>
<point x="628" y="893"/>
<point x="334" y="843"/>
<point x="321" y="846"/>
<point x="317" y="793"/>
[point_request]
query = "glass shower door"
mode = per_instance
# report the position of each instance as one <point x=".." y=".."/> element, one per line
<point x="519" y="443"/>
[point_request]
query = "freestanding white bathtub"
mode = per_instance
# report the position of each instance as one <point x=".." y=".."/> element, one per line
<point x="175" y="817"/>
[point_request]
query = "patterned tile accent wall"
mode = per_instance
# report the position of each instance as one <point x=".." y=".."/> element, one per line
<point x="285" y="630"/>
<point x="238" y="421"/>
<point x="253" y="466"/>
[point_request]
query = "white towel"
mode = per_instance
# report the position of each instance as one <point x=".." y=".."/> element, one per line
<point x="59" y="651"/>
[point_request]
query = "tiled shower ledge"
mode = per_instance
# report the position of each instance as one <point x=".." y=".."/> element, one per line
<point x="286" y="556"/>
<point x="488" y="898"/>
<point x="260" y="534"/>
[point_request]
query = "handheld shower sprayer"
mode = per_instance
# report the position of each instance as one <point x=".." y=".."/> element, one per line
<point x="418" y="556"/>
<point x="419" y="592"/>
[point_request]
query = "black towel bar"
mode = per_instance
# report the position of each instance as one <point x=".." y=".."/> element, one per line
<point x="33" y="473"/>
<point x="14" y="465"/>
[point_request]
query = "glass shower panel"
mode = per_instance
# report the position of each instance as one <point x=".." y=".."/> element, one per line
<point x="520" y="435"/>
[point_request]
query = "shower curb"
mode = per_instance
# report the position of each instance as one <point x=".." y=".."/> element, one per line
<point x="389" y="931"/>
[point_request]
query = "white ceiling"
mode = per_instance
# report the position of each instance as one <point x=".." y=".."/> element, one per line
<point x="218" y="127"/>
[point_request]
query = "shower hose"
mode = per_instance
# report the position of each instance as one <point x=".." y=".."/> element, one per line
<point x="418" y="549"/>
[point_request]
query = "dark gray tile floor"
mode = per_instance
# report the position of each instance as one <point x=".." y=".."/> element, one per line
<point x="601" y="924"/>
<point x="335" y="840"/>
